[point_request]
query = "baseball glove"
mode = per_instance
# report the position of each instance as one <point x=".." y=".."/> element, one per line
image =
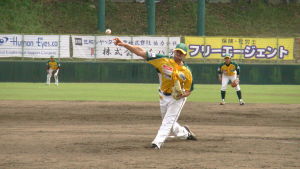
<point x="235" y="83"/>
<point x="176" y="90"/>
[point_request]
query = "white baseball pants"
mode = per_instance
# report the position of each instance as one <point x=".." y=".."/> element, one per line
<point x="49" y="75"/>
<point x="225" y="80"/>
<point x="170" y="110"/>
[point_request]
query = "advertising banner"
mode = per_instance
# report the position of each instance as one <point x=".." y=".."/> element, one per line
<point x="240" y="47"/>
<point x="107" y="49"/>
<point x="34" y="46"/>
<point x="103" y="46"/>
<point x="83" y="46"/>
<point x="10" y="46"/>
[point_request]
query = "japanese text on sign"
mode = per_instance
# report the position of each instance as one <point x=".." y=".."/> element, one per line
<point x="103" y="46"/>
<point x="240" y="48"/>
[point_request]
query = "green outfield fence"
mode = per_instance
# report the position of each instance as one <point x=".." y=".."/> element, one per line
<point x="131" y="72"/>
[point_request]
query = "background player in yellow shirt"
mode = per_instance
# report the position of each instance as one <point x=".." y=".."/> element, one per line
<point x="229" y="70"/>
<point x="170" y="70"/>
<point x="52" y="69"/>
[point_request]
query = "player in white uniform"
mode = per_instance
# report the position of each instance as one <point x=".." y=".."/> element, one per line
<point x="52" y="69"/>
<point x="229" y="71"/>
<point x="169" y="69"/>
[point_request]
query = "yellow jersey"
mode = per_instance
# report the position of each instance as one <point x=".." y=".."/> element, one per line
<point x="53" y="65"/>
<point x="229" y="70"/>
<point x="169" y="71"/>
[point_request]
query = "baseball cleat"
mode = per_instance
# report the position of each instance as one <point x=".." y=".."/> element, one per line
<point x="191" y="135"/>
<point x="242" y="102"/>
<point x="154" y="146"/>
<point x="222" y="103"/>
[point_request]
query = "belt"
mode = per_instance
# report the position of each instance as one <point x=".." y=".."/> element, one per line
<point x="165" y="93"/>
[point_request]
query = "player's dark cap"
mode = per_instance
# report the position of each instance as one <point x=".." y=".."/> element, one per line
<point x="182" y="48"/>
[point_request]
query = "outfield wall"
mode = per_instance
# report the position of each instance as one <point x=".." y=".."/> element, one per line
<point x="102" y="47"/>
<point x="139" y="72"/>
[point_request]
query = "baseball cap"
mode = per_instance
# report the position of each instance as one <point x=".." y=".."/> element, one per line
<point x="227" y="56"/>
<point x="181" y="47"/>
<point x="51" y="56"/>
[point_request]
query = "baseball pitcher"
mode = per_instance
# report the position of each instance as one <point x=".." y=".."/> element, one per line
<point x="229" y="71"/>
<point x="176" y="84"/>
<point x="52" y="69"/>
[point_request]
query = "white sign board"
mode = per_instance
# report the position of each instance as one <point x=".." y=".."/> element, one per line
<point x="103" y="46"/>
<point x="34" y="46"/>
<point x="83" y="46"/>
<point x="107" y="49"/>
<point x="10" y="46"/>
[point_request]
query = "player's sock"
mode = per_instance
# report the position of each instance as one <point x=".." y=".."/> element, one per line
<point x="239" y="94"/>
<point x="223" y="93"/>
<point x="48" y="79"/>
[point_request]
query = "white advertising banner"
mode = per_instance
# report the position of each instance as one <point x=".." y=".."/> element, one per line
<point x="107" y="49"/>
<point x="64" y="49"/>
<point x="34" y="46"/>
<point x="85" y="46"/>
<point x="10" y="46"/>
<point x="158" y="45"/>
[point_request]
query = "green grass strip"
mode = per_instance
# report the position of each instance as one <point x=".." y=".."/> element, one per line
<point x="286" y="94"/>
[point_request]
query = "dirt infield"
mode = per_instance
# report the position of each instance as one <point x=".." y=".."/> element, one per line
<point x="65" y="134"/>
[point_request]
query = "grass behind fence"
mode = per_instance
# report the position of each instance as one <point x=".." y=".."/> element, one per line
<point x="173" y="17"/>
<point x="287" y="94"/>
